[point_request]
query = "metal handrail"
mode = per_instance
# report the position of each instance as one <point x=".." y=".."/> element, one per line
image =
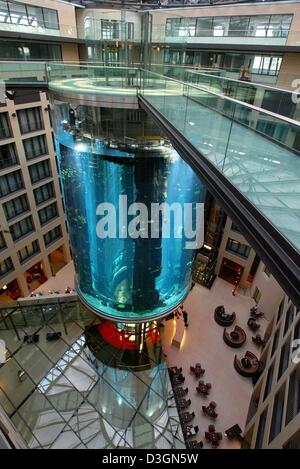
<point x="228" y="98"/>
<point x="243" y="83"/>
<point x="182" y="83"/>
<point x="90" y="65"/>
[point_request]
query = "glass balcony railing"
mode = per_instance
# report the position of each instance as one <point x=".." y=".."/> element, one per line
<point x="87" y="78"/>
<point x="22" y="72"/>
<point x="34" y="72"/>
<point x="249" y="142"/>
<point x="45" y="28"/>
<point x="257" y="150"/>
<point x="179" y="72"/>
<point x="280" y="101"/>
<point x="160" y="32"/>
<point x="284" y="102"/>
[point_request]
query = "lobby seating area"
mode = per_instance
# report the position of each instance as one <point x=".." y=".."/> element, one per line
<point x="203" y="388"/>
<point x="252" y="324"/>
<point x="247" y="366"/>
<point x="235" y="338"/>
<point x="212" y="436"/>
<point x="223" y="318"/>
<point x="210" y="410"/>
<point x="234" y="432"/>
<point x="225" y="404"/>
<point x="186" y="417"/>
<point x="197" y="370"/>
<point x="258" y="340"/>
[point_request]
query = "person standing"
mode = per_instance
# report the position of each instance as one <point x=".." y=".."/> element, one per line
<point x="185" y="318"/>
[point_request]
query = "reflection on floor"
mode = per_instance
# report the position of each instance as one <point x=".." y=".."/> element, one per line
<point x="64" y="278"/>
<point x="122" y="340"/>
<point x="203" y="343"/>
<point x="59" y="395"/>
<point x="102" y="86"/>
<point x="57" y="260"/>
<point x="80" y="402"/>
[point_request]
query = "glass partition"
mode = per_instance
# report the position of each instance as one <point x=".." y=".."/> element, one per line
<point x="258" y="151"/>
<point x="59" y="394"/>
<point x="279" y="101"/>
<point x="106" y="147"/>
<point x="267" y="26"/>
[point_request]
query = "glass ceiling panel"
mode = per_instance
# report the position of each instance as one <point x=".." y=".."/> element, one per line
<point x="60" y="396"/>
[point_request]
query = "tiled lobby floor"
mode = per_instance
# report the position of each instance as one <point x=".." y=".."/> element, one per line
<point x="64" y="278"/>
<point x="203" y="343"/>
<point x="68" y="399"/>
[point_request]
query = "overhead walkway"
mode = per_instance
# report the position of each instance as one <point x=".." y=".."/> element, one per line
<point x="256" y="150"/>
<point x="248" y="157"/>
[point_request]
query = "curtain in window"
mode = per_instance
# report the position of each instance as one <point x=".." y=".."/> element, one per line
<point x="21" y="228"/>
<point x="18" y="13"/>
<point x="10" y="183"/>
<point x="8" y="156"/>
<point x="35" y="146"/>
<point x="39" y="171"/>
<point x="52" y="235"/>
<point x="48" y="213"/>
<point x="30" y="119"/>
<point x="44" y="193"/>
<point x="6" y="266"/>
<point x="2" y="241"/>
<point x="16" y="206"/>
<point x="35" y="16"/>
<point x="50" y="18"/>
<point x="4" y="127"/>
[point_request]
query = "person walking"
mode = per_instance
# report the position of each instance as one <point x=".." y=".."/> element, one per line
<point x="185" y="318"/>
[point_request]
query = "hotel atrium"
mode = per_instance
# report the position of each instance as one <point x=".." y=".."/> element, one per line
<point x="150" y="224"/>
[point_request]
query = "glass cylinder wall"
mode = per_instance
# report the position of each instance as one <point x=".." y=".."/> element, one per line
<point x="119" y="157"/>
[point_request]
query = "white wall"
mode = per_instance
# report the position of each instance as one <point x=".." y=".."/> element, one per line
<point x="246" y="263"/>
<point x="271" y="292"/>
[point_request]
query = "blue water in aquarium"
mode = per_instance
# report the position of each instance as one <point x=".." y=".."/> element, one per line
<point x="125" y="278"/>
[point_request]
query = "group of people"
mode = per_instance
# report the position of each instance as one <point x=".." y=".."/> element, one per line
<point x="252" y="321"/>
<point x="181" y="312"/>
<point x="184" y="314"/>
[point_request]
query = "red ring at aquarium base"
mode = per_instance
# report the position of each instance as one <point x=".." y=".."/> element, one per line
<point x="122" y="339"/>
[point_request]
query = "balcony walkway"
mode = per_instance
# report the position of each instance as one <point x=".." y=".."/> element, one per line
<point x="267" y="173"/>
<point x="248" y="157"/>
<point x="264" y="168"/>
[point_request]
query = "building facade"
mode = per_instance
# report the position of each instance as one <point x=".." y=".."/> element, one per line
<point x="273" y="418"/>
<point x="34" y="240"/>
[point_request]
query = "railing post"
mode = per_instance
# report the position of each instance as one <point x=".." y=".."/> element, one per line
<point x="139" y="81"/>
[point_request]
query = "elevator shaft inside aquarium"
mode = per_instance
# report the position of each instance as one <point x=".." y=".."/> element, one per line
<point x="131" y="260"/>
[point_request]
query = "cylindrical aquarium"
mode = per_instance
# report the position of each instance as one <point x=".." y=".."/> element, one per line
<point x="112" y="159"/>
